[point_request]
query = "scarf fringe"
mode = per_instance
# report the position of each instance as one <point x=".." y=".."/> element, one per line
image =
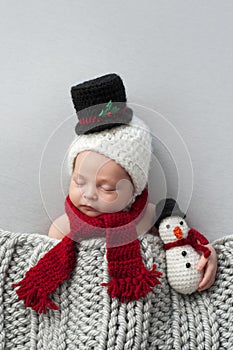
<point x="133" y="288"/>
<point x="34" y="297"/>
<point x="43" y="278"/>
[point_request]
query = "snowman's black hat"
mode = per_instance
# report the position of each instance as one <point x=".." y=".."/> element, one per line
<point x="165" y="208"/>
<point x="100" y="104"/>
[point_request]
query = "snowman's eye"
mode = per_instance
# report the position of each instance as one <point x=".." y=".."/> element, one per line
<point x="167" y="226"/>
<point x="181" y="222"/>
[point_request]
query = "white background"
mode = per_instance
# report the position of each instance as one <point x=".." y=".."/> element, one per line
<point x="175" y="57"/>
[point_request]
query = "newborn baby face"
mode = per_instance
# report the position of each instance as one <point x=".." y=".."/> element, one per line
<point x="99" y="185"/>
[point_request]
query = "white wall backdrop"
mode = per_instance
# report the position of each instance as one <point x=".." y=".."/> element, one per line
<point x="175" y="58"/>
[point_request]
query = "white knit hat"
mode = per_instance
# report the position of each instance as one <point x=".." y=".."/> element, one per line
<point x="128" y="145"/>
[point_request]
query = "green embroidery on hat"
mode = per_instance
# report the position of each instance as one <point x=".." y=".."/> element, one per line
<point x="109" y="109"/>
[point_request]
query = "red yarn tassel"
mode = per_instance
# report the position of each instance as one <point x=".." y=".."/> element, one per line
<point x="133" y="288"/>
<point x="34" y="298"/>
<point x="130" y="280"/>
<point x="44" y="278"/>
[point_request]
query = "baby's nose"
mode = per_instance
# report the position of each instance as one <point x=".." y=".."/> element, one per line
<point x="90" y="193"/>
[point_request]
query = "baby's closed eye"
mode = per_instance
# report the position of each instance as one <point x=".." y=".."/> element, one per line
<point x="107" y="188"/>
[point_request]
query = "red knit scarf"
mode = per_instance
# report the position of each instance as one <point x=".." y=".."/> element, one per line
<point x="130" y="280"/>
<point x="195" y="239"/>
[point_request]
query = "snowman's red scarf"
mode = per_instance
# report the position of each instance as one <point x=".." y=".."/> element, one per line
<point x="130" y="280"/>
<point x="195" y="239"/>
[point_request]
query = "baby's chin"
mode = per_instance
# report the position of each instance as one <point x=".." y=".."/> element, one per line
<point x="90" y="212"/>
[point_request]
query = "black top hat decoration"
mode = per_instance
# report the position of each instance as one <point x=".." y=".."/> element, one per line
<point x="100" y="104"/>
<point x="165" y="208"/>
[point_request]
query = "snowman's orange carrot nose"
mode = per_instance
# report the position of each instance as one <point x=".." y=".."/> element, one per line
<point x="178" y="232"/>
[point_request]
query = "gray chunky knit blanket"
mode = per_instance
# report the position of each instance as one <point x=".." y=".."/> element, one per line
<point x="89" y="319"/>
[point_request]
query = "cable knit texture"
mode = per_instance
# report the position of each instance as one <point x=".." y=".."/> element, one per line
<point x="89" y="319"/>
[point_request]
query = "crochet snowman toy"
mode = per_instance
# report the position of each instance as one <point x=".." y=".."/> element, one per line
<point x="183" y="247"/>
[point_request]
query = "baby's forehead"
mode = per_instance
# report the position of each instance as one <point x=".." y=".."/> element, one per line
<point x="93" y="163"/>
<point x="89" y="155"/>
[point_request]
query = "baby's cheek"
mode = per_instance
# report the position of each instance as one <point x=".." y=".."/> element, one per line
<point x="108" y="197"/>
<point x="74" y="194"/>
<point x="106" y="206"/>
<point x="114" y="202"/>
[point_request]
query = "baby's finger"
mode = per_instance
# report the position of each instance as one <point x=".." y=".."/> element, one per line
<point x="202" y="263"/>
<point x="207" y="279"/>
<point x="206" y="286"/>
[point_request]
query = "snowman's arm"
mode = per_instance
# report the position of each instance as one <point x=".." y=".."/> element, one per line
<point x="199" y="236"/>
<point x="203" y="249"/>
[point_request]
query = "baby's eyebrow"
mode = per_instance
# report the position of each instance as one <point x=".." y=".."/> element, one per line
<point x="101" y="179"/>
<point x="80" y="175"/>
<point x="107" y="180"/>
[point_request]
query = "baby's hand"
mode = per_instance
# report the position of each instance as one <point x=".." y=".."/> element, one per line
<point x="210" y="268"/>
